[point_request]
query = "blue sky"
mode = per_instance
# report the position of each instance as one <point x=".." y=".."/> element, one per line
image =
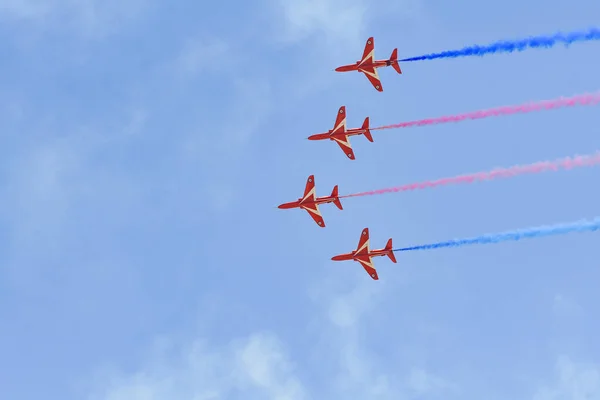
<point x="146" y="144"/>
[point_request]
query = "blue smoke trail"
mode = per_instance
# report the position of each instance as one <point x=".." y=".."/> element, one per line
<point x="579" y="226"/>
<point x="515" y="45"/>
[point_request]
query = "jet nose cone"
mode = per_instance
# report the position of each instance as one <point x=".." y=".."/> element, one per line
<point x="319" y="136"/>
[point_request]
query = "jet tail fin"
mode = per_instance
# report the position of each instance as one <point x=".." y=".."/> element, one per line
<point x="367" y="132"/>
<point x="394" y="60"/>
<point x="336" y="199"/>
<point x="390" y="252"/>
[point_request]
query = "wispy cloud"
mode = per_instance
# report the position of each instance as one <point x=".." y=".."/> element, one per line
<point x="219" y="132"/>
<point x="424" y="383"/>
<point x="199" y="54"/>
<point x="53" y="184"/>
<point x="88" y="18"/>
<point x="345" y="340"/>
<point x="259" y="365"/>
<point x="255" y="366"/>
<point x="263" y="364"/>
<point x="337" y="24"/>
<point x="566" y="307"/>
<point x="574" y="381"/>
<point x="331" y="20"/>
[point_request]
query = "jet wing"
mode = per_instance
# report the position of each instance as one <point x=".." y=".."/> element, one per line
<point x="363" y="243"/>
<point x="309" y="189"/>
<point x="313" y="211"/>
<point x="367" y="264"/>
<point x="344" y="144"/>
<point x="373" y="77"/>
<point x="369" y="52"/>
<point x="340" y="121"/>
<point x="309" y="197"/>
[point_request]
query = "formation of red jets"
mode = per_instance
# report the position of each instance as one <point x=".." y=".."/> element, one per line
<point x="339" y="134"/>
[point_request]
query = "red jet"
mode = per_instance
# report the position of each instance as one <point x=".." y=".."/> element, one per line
<point x="368" y="65"/>
<point x="310" y="202"/>
<point x="363" y="255"/>
<point x="340" y="135"/>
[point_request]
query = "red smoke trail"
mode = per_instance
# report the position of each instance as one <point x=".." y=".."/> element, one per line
<point x="578" y="100"/>
<point x="566" y="163"/>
